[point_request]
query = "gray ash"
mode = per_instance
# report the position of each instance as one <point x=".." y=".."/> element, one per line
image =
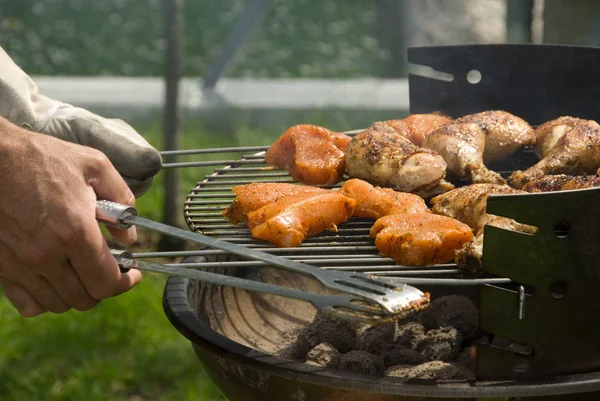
<point x="440" y="370"/>
<point x="362" y="362"/>
<point x="403" y="356"/>
<point x="398" y="370"/>
<point x="442" y="344"/>
<point x="298" y="349"/>
<point x="339" y="333"/>
<point x="377" y="339"/>
<point x="325" y="355"/>
<point x="410" y="334"/>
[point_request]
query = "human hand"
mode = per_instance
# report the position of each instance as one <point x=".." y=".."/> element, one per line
<point x="53" y="256"/>
<point x="22" y="104"/>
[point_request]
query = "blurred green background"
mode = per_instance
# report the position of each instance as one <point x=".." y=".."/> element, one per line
<point x="125" y="349"/>
<point x="120" y="37"/>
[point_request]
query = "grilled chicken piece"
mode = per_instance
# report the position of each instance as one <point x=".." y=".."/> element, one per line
<point x="462" y="146"/>
<point x="468" y="204"/>
<point x="504" y="133"/>
<point x="417" y="126"/>
<point x="547" y="134"/>
<point x="313" y="155"/>
<point x="251" y="197"/>
<point x="576" y="151"/>
<point x="291" y="219"/>
<point x="419" y="239"/>
<point x="375" y="202"/>
<point x="383" y="157"/>
<point x="562" y="182"/>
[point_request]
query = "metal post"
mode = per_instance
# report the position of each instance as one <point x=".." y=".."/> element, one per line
<point x="519" y="16"/>
<point x="594" y="35"/>
<point x="171" y="128"/>
<point x="253" y="13"/>
<point x="393" y="24"/>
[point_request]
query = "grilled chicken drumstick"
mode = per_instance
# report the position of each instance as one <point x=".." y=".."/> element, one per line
<point x="562" y="182"/>
<point x="383" y="157"/>
<point x="505" y="133"/>
<point x="478" y="139"/>
<point x="416" y="127"/>
<point x="468" y="205"/>
<point x="568" y="146"/>
<point x="462" y="147"/>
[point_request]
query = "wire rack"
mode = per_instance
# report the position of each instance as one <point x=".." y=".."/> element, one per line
<point x="350" y="248"/>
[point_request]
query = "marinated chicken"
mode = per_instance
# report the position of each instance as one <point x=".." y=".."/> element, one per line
<point x="313" y="155"/>
<point x="375" y="202"/>
<point x="505" y="133"/>
<point x="291" y="219"/>
<point x="462" y="147"/>
<point x="468" y="204"/>
<point x="566" y="150"/>
<point x="419" y="239"/>
<point x="562" y="182"/>
<point x="251" y="197"/>
<point x="383" y="157"/>
<point x="417" y="126"/>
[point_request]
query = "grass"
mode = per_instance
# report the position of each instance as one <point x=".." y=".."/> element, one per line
<point x="125" y="348"/>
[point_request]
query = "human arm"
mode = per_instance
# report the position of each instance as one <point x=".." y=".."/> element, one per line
<point x="53" y="256"/>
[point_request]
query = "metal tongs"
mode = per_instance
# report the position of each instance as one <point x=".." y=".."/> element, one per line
<point x="365" y="297"/>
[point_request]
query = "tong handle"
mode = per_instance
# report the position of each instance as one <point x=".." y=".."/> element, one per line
<point x="122" y="255"/>
<point x="114" y="214"/>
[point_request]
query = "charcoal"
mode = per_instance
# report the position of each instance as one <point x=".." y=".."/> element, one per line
<point x="442" y="344"/>
<point x="453" y="310"/>
<point x="403" y="356"/>
<point x="362" y="362"/>
<point x="338" y="333"/>
<point x="297" y="350"/>
<point x="325" y="355"/>
<point x="376" y="339"/>
<point x="440" y="370"/>
<point x="410" y="334"/>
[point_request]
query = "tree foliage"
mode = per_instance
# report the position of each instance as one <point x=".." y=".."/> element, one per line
<point x="300" y="38"/>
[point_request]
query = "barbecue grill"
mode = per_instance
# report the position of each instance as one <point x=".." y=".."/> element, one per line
<point x="538" y="292"/>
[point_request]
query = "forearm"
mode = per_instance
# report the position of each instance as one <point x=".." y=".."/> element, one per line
<point x="22" y="104"/>
<point x="14" y="82"/>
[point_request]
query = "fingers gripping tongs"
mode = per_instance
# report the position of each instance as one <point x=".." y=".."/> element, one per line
<point x="363" y="297"/>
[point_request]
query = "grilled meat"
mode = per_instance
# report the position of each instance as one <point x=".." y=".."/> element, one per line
<point x="468" y="204"/>
<point x="566" y="150"/>
<point x="383" y="157"/>
<point x="504" y="133"/>
<point x="313" y="155"/>
<point x="419" y="239"/>
<point x="462" y="146"/>
<point x="562" y="182"/>
<point x="291" y="219"/>
<point x="375" y="202"/>
<point x="547" y="134"/>
<point x="251" y="197"/>
<point x="417" y="126"/>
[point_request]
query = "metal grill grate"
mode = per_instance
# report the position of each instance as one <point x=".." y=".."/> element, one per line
<point x="350" y="248"/>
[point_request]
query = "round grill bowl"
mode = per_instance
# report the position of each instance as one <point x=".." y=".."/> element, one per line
<point x="234" y="332"/>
